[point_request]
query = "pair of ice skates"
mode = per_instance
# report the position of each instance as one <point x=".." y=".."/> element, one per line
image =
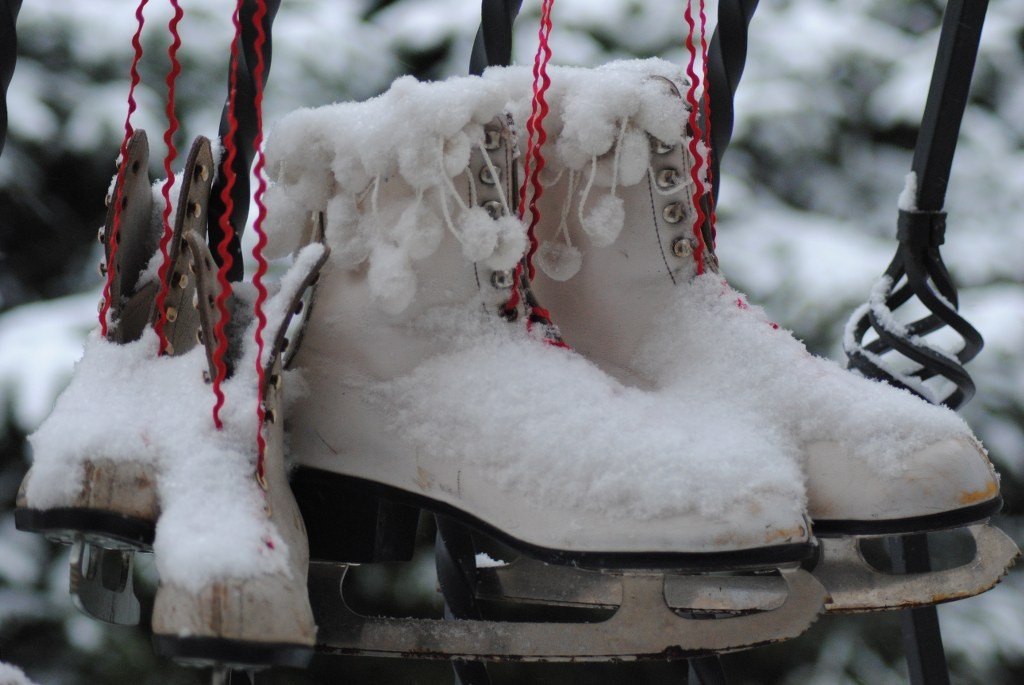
<point x="130" y="459"/>
<point x="687" y="448"/>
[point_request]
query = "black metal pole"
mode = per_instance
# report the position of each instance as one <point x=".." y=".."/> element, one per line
<point x="933" y="159"/>
<point x="8" y="57"/>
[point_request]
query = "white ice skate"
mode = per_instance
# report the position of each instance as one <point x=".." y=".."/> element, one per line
<point x="94" y="477"/>
<point x="635" y="288"/>
<point x="422" y="392"/>
<point x="230" y="545"/>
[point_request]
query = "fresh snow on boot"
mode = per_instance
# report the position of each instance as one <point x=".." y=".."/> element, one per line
<point x="424" y="386"/>
<point x="652" y="309"/>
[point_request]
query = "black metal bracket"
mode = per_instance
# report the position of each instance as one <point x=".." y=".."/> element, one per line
<point x="917" y="273"/>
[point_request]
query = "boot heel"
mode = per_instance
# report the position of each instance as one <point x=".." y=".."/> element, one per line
<point x="347" y="524"/>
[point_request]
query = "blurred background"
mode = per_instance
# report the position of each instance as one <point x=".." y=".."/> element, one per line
<point x="826" y="119"/>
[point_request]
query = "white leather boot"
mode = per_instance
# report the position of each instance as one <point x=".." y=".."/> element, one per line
<point x="876" y="460"/>
<point x="95" y="470"/>
<point x="420" y="391"/>
<point x="230" y="546"/>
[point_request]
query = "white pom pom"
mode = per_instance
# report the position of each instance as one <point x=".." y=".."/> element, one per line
<point x="478" y="234"/>
<point x="634" y="157"/>
<point x="605" y="220"/>
<point x="419" y="230"/>
<point x="511" y="244"/>
<point x="345" y="231"/>
<point x="456" y="154"/>
<point x="559" y="261"/>
<point x="419" y="161"/>
<point x="350" y="174"/>
<point x="391" y="280"/>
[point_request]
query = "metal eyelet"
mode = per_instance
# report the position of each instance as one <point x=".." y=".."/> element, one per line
<point x="492" y="139"/>
<point x="101" y="234"/>
<point x="199" y="336"/>
<point x="682" y="247"/>
<point x="494" y="209"/>
<point x="662" y="148"/>
<point x="673" y="213"/>
<point x="502" y="280"/>
<point x="103" y="269"/>
<point x="488" y="178"/>
<point x="667" y="178"/>
<point x="197" y="210"/>
<point x="101" y="304"/>
<point x="171" y="315"/>
<point x="107" y="199"/>
<point x="181" y="280"/>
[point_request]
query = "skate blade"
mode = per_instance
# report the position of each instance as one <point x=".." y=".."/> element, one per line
<point x="643" y="626"/>
<point x="101" y="583"/>
<point x="856" y="586"/>
<point x="528" y="581"/>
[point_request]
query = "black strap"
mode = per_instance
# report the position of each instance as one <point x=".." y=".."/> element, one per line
<point x="727" y="55"/>
<point x="493" y="44"/>
<point x="245" y="114"/>
<point x="8" y="57"/>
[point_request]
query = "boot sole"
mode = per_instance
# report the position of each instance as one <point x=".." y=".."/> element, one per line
<point x="105" y="529"/>
<point x="311" y="487"/>
<point x="956" y="518"/>
<point x="224" y="652"/>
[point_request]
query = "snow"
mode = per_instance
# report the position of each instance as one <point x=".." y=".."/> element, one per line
<point x="805" y="236"/>
<point x="212" y="520"/>
<point x="12" y="675"/>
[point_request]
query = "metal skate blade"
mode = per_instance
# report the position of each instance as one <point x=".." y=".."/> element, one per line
<point x="529" y="581"/>
<point x="642" y="627"/>
<point x="854" y="585"/>
<point x="101" y="583"/>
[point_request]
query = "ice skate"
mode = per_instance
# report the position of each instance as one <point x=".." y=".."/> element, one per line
<point x="230" y="546"/>
<point x="428" y="388"/>
<point x="634" y="285"/>
<point x="98" y="489"/>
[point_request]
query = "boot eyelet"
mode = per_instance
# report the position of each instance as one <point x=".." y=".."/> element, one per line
<point x="101" y="234"/>
<point x="495" y="209"/>
<point x="682" y="247"/>
<point x="662" y="148"/>
<point x="101" y="304"/>
<point x="199" y="336"/>
<point x="488" y="178"/>
<point x="171" y="315"/>
<point x="197" y="210"/>
<point x="502" y="280"/>
<point x="509" y="313"/>
<point x="673" y="213"/>
<point x="492" y="139"/>
<point x="103" y="269"/>
<point x="667" y="178"/>
<point x="181" y="280"/>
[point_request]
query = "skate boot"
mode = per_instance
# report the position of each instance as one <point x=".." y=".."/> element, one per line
<point x="94" y="477"/>
<point x="230" y="545"/>
<point x="428" y="385"/>
<point x="636" y="289"/>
